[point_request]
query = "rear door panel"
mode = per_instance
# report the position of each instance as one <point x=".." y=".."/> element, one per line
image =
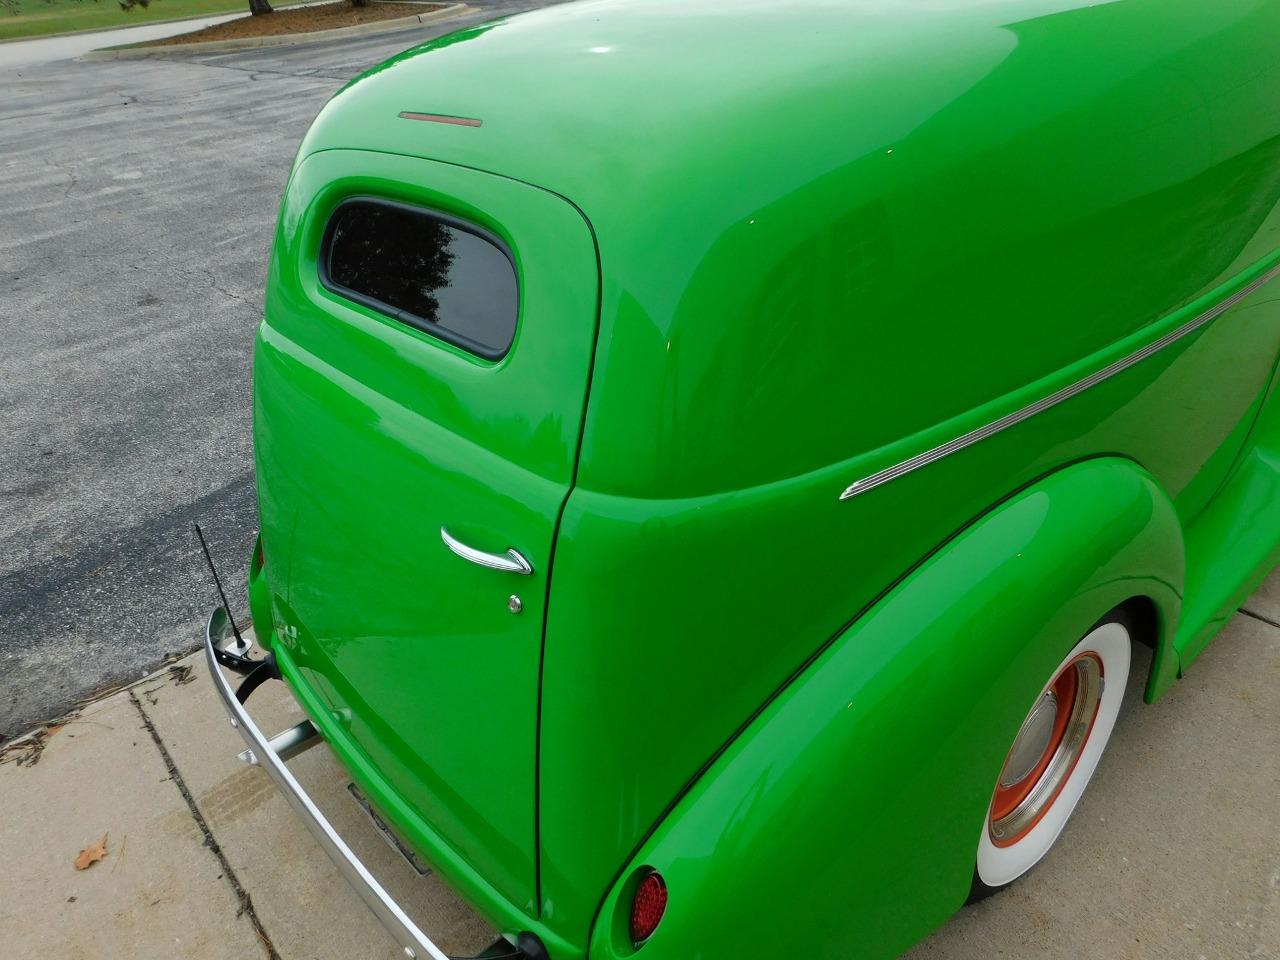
<point x="370" y="436"/>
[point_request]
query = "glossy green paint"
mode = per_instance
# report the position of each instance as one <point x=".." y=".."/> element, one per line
<point x="1234" y="543"/>
<point x="371" y="437"/>
<point x="820" y="831"/>
<point x="826" y="240"/>
<point x="407" y="819"/>
<point x="750" y="566"/>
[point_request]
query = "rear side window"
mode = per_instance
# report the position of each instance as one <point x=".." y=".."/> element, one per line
<point x="452" y="280"/>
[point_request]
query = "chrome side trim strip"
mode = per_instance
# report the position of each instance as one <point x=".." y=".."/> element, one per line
<point x="415" y="944"/>
<point x="1052" y="400"/>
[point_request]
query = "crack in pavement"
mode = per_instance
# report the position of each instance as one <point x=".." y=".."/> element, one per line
<point x="254" y="72"/>
<point x="242" y="895"/>
<point x="1259" y="616"/>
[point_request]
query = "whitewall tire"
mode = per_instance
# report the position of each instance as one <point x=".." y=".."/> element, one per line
<point x="1053" y="757"/>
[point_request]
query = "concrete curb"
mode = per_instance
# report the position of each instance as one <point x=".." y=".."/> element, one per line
<point x="287" y="39"/>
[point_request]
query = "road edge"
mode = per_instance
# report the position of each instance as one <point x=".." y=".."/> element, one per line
<point x="280" y="40"/>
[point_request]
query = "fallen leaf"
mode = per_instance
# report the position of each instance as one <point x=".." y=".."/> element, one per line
<point x="92" y="854"/>
<point x="25" y="752"/>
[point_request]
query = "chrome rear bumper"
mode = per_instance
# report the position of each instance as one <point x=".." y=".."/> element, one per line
<point x="416" y="944"/>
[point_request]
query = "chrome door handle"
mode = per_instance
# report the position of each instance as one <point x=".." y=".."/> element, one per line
<point x="512" y="561"/>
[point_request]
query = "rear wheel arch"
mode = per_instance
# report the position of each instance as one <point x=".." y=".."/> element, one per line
<point x="1152" y="625"/>
<point x="1081" y="541"/>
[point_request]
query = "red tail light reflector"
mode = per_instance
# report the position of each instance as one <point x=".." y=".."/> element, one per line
<point x="647" y="908"/>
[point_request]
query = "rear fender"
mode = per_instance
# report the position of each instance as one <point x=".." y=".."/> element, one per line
<point x="845" y="817"/>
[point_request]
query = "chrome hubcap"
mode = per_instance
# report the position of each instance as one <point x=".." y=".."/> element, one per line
<point x="1032" y="741"/>
<point x="1046" y="732"/>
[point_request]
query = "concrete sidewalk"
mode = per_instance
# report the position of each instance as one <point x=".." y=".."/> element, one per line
<point x="67" y="46"/>
<point x="1174" y="853"/>
<point x="205" y="859"/>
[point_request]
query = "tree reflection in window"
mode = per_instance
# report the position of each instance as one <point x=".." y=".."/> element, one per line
<point x="450" y="280"/>
<point x="392" y="255"/>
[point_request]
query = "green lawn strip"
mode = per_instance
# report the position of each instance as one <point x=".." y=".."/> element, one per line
<point x="36" y="18"/>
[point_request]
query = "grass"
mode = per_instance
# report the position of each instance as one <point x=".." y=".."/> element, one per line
<point x="37" y="18"/>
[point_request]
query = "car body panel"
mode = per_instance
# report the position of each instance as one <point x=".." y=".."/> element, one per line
<point x="1235" y="542"/>
<point x="970" y="174"/>
<point x="741" y="569"/>
<point x="831" y="794"/>
<point x="407" y="820"/>
<point x="827" y="242"/>
<point x="372" y="436"/>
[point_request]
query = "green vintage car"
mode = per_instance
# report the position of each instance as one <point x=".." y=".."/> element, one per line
<point x="715" y="461"/>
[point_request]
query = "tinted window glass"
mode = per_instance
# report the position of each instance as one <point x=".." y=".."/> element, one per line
<point x="424" y="271"/>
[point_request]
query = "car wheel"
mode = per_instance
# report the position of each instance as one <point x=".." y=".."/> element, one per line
<point x="1053" y="756"/>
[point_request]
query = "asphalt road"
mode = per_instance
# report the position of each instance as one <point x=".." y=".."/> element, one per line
<point x="137" y="203"/>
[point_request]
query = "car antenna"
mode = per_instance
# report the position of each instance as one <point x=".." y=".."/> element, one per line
<point x="218" y="583"/>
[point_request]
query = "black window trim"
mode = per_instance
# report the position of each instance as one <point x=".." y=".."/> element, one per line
<point x="404" y="316"/>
